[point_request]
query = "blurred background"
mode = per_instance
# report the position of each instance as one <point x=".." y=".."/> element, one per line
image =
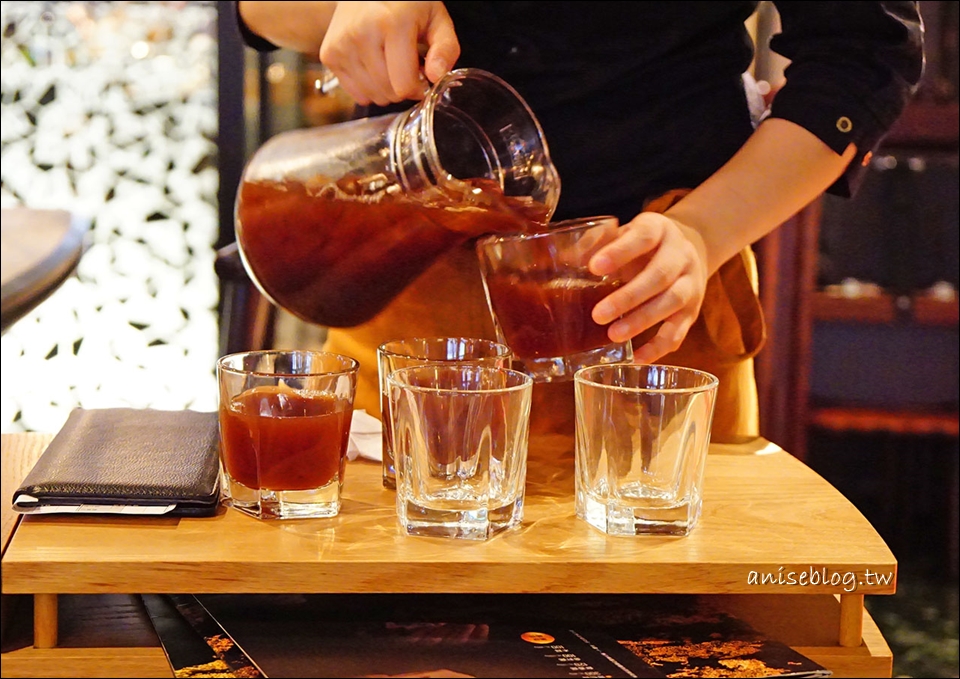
<point x="133" y="120"/>
<point x="109" y="112"/>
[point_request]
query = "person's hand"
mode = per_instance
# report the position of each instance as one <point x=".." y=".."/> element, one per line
<point x="373" y="49"/>
<point x="664" y="265"/>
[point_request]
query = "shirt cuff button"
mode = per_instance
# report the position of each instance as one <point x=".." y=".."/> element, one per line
<point x="844" y="124"/>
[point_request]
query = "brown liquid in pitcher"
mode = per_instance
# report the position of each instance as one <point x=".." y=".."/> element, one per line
<point x="335" y="253"/>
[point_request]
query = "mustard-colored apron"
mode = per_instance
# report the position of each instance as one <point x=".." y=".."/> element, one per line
<point x="447" y="300"/>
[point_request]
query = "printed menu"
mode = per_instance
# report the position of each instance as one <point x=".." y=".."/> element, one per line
<point x="574" y="636"/>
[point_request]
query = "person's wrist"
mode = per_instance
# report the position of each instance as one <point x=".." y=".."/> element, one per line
<point x="690" y="226"/>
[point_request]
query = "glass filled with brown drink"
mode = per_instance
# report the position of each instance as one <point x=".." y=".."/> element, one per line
<point x="284" y="429"/>
<point x="541" y="296"/>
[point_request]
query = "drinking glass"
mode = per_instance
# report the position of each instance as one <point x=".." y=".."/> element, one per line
<point x="642" y="435"/>
<point x="460" y="434"/>
<point x="541" y="296"/>
<point x="404" y="353"/>
<point x="284" y="429"/>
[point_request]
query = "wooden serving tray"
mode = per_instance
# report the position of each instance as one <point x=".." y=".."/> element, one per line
<point x="764" y="512"/>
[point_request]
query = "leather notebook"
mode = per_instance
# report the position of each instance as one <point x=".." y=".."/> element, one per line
<point x="127" y="461"/>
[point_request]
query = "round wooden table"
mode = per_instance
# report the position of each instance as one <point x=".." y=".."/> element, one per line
<point x="40" y="249"/>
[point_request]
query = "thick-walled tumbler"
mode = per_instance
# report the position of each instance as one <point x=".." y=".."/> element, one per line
<point x="405" y="353"/>
<point x="284" y="428"/>
<point x="641" y="447"/>
<point x="460" y="434"/>
<point x="541" y="296"/>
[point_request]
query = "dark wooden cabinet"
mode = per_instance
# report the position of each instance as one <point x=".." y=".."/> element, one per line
<point x="880" y="361"/>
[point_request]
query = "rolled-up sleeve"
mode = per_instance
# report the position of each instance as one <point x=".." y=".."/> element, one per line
<point x="853" y="68"/>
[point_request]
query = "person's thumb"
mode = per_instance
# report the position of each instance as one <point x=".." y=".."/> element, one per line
<point x="443" y="47"/>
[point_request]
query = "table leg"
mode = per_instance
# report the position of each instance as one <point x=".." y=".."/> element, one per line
<point x="851" y="620"/>
<point x="44" y="620"/>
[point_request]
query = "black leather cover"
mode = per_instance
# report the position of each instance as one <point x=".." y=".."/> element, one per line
<point x="125" y="457"/>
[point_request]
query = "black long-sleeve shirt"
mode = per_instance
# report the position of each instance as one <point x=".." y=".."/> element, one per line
<point x="636" y="98"/>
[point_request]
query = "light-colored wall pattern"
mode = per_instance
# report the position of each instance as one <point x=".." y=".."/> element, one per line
<point x="109" y="109"/>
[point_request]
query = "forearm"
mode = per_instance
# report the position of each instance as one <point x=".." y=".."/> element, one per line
<point x="299" y="26"/>
<point x="780" y="170"/>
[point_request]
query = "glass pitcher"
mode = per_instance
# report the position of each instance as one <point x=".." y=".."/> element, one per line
<point x="333" y="222"/>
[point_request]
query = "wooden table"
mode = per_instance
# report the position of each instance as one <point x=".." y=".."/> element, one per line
<point x="40" y="249"/>
<point x="764" y="512"/>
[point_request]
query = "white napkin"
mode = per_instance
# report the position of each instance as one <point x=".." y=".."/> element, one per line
<point x="365" y="437"/>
